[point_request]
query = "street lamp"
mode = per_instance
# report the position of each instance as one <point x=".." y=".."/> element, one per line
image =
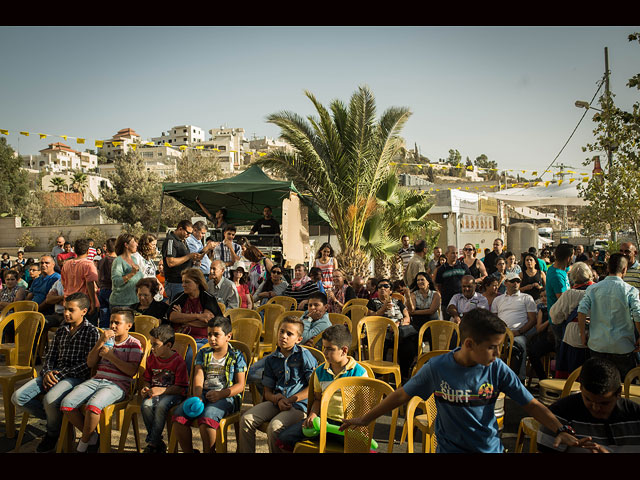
<point x="586" y="105"/>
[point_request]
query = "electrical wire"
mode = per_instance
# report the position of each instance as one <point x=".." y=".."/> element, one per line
<point x="574" y="130"/>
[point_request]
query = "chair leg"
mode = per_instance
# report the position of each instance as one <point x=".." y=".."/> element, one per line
<point x="106" y="419"/>
<point x="124" y="430"/>
<point x="519" y="439"/>
<point x="136" y="431"/>
<point x="9" y="412"/>
<point x="67" y="436"/>
<point x="173" y="442"/>
<point x="23" y="428"/>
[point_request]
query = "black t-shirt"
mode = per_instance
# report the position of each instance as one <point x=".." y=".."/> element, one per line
<point x="156" y="309"/>
<point x="174" y="247"/>
<point x="490" y="261"/>
<point x="266" y="227"/>
<point x="449" y="277"/>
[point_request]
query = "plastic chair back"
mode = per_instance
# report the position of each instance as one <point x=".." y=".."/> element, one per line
<point x="234" y="313"/>
<point x="246" y="351"/>
<point x="376" y="331"/>
<point x="506" y="347"/>
<point x="143" y="324"/>
<point x="359" y="396"/>
<point x="146" y="346"/>
<point x="356" y="301"/>
<point x="628" y="379"/>
<point x="398" y="296"/>
<point x="355" y="312"/>
<point x="247" y="331"/>
<point x="182" y="344"/>
<point x="430" y="413"/>
<point x="571" y="379"/>
<point x="222" y="307"/>
<point x="441" y="334"/>
<point x="19" y="306"/>
<point x="289" y="303"/>
<point x="425" y="357"/>
<point x="317" y="354"/>
<point x="28" y="326"/>
<point x="271" y="313"/>
<point x="340" y="319"/>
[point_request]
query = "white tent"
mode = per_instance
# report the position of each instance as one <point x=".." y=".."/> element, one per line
<point x="541" y="195"/>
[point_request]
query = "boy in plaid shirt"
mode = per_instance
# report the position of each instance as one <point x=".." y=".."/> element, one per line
<point x="65" y="366"/>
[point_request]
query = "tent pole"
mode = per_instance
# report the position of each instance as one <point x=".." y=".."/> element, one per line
<point x="160" y="214"/>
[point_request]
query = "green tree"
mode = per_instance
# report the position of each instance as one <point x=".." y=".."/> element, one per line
<point x="490" y="167"/>
<point x="613" y="197"/>
<point x="341" y="157"/>
<point x="79" y="182"/>
<point x="197" y="166"/>
<point x="58" y="183"/>
<point x="14" y="183"/>
<point x="134" y="195"/>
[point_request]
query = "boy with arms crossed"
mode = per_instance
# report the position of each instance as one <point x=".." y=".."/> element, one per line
<point x="466" y="383"/>
<point x="286" y="387"/>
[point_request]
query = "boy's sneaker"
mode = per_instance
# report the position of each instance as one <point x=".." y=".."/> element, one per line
<point x="48" y="444"/>
<point x="150" y="449"/>
<point x="161" y="448"/>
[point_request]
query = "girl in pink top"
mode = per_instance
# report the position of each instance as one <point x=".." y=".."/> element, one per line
<point x="326" y="262"/>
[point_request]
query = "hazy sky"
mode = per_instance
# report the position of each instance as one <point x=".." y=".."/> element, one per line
<point x="507" y="92"/>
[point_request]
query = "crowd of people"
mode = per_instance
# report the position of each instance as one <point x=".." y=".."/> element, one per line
<point x="561" y="302"/>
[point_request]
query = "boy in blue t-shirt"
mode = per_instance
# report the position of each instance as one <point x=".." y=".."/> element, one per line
<point x="466" y="383"/>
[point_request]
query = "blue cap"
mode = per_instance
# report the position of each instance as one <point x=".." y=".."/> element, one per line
<point x="193" y="407"/>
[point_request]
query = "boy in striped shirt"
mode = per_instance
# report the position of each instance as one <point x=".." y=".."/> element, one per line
<point x="116" y="367"/>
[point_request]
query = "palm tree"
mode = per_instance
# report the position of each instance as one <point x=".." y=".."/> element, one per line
<point x="341" y="158"/>
<point x="59" y="184"/>
<point x="79" y="182"/>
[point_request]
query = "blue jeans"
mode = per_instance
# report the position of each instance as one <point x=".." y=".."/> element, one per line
<point x="47" y="407"/>
<point x="105" y="308"/>
<point x="212" y="413"/>
<point x="96" y="393"/>
<point x="254" y="376"/>
<point x="173" y="290"/>
<point x="154" y="414"/>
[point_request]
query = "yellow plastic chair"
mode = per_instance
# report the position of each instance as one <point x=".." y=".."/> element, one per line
<point x="289" y="303"/>
<point x="506" y="347"/>
<point x="356" y="301"/>
<point x="143" y="324"/>
<point x="359" y="395"/>
<point x="425" y="422"/>
<point x="28" y="329"/>
<point x="632" y="392"/>
<point x="234" y="313"/>
<point x="9" y="349"/>
<point x="222" y="307"/>
<point x="247" y="331"/>
<point x="549" y="388"/>
<point x="552" y="389"/>
<point x="420" y="419"/>
<point x="340" y="319"/>
<point x="441" y="334"/>
<point x="376" y="330"/>
<point x="225" y="422"/>
<point x="272" y="312"/>
<point x="132" y="412"/>
<point x="317" y="354"/>
<point x="355" y="312"/>
<point x="398" y="296"/>
<point x="117" y="410"/>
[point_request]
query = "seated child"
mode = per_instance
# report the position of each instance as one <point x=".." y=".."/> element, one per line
<point x="336" y="341"/>
<point x="315" y="319"/>
<point x="165" y="384"/>
<point x="64" y="367"/>
<point x="116" y="367"/>
<point x="466" y="383"/>
<point x="286" y="387"/>
<point x="219" y="379"/>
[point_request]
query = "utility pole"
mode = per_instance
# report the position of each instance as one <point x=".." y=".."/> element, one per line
<point x="614" y="235"/>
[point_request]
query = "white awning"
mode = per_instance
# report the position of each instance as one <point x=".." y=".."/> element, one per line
<point x="565" y="194"/>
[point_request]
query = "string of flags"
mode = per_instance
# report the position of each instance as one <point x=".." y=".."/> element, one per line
<point x="117" y="143"/>
<point x="584" y="177"/>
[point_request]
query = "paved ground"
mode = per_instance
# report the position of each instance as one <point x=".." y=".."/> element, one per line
<point x="513" y="414"/>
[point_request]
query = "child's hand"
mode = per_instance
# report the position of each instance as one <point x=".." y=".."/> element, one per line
<point x="144" y="392"/>
<point x="214" y="395"/>
<point x="50" y="379"/>
<point x="284" y="404"/>
<point x="104" y="352"/>
<point x="592" y="446"/>
<point x="353" y="422"/>
<point x="308" y="422"/>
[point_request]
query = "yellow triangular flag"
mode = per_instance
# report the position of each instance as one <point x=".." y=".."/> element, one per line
<point x="116" y="144"/>
<point x="200" y="147"/>
<point x="535" y="184"/>
<point x="183" y="147"/>
<point x="134" y="146"/>
<point x="80" y="140"/>
<point x="26" y="134"/>
<point x="4" y="132"/>
<point x="166" y="144"/>
<point x="99" y="143"/>
<point x="560" y="182"/>
<point x="64" y="136"/>
<point x="572" y="180"/>
<point x="42" y="136"/>
<point x="546" y="184"/>
<point x="585" y="179"/>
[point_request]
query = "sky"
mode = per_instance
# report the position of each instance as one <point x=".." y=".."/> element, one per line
<point x="506" y="92"/>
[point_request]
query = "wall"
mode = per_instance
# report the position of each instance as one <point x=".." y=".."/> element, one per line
<point x="11" y="230"/>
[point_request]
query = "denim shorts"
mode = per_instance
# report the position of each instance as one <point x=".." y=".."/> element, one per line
<point x="96" y="393"/>
<point x="212" y="414"/>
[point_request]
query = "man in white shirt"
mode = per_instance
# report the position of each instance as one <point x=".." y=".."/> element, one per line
<point x="221" y="287"/>
<point x="518" y="310"/>
<point x="469" y="299"/>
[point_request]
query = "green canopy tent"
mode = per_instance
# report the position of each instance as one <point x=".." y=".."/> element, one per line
<point x="244" y="196"/>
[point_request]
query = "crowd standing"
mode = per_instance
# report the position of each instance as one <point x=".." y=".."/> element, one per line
<point x="559" y="302"/>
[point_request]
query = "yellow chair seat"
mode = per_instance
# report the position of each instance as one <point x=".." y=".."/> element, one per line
<point x="551" y="389"/>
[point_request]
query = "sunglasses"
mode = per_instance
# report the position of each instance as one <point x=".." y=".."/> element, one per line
<point x="517" y="280"/>
<point x="469" y="249"/>
<point x="276" y="272"/>
<point x="384" y="286"/>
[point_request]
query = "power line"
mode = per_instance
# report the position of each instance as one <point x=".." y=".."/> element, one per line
<point x="574" y="130"/>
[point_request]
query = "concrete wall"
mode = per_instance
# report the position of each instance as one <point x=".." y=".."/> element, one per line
<point x="11" y="230"/>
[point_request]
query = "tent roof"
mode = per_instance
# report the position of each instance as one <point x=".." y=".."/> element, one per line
<point x="244" y="196"/>
<point x="554" y="194"/>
